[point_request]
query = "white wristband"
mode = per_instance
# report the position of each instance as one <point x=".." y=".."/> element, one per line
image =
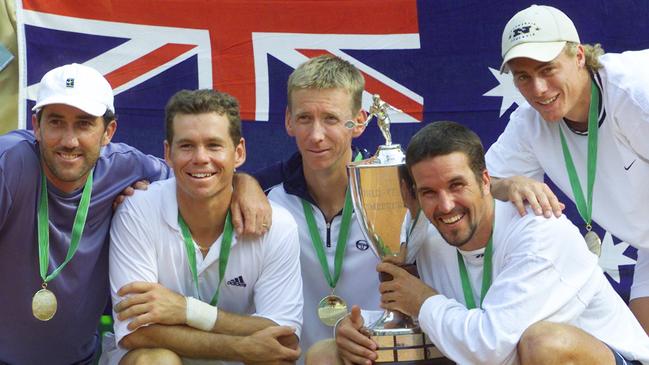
<point x="201" y="315"/>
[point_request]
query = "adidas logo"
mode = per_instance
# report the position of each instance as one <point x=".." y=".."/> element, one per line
<point x="238" y="281"/>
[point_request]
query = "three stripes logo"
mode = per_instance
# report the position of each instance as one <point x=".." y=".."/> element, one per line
<point x="238" y="281"/>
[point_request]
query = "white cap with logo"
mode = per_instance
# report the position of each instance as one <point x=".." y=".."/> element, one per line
<point x="76" y="85"/>
<point x="538" y="32"/>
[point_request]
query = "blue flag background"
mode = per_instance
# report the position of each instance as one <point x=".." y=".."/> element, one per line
<point x="435" y="60"/>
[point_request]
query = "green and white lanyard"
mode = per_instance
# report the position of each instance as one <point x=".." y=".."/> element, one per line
<point x="412" y="226"/>
<point x="487" y="273"/>
<point x="585" y="207"/>
<point x="44" y="231"/>
<point x="224" y="254"/>
<point x="343" y="235"/>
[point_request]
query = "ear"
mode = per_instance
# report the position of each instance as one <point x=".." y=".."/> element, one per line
<point x="240" y="153"/>
<point x="109" y="132"/>
<point x="486" y="182"/>
<point x="168" y="153"/>
<point x="360" y="119"/>
<point x="581" y="56"/>
<point x="36" y="127"/>
<point x="287" y="123"/>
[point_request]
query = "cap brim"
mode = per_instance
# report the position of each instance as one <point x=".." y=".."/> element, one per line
<point x="91" y="107"/>
<point x="538" y="51"/>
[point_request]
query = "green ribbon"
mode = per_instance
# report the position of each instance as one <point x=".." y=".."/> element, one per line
<point x="224" y="254"/>
<point x="318" y="245"/>
<point x="44" y="230"/>
<point x="343" y="235"/>
<point x="412" y="226"/>
<point x="585" y="208"/>
<point x="487" y="273"/>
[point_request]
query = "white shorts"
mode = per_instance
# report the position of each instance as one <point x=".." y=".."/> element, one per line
<point x="640" y="287"/>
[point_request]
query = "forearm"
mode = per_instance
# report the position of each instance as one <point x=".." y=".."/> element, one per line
<point x="238" y="325"/>
<point x="451" y="327"/>
<point x="187" y="342"/>
<point x="243" y="181"/>
<point x="499" y="188"/>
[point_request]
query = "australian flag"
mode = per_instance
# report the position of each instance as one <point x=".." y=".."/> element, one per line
<point x="432" y="60"/>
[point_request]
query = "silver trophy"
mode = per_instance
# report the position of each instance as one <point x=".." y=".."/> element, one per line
<point x="380" y="208"/>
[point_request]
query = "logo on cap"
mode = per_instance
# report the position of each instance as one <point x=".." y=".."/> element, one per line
<point x="69" y="82"/>
<point x="522" y="31"/>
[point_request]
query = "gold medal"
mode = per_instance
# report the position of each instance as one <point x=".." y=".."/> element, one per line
<point x="593" y="242"/>
<point x="330" y="309"/>
<point x="44" y="305"/>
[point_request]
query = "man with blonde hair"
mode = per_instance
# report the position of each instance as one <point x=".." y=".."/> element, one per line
<point x="585" y="126"/>
<point x="324" y="115"/>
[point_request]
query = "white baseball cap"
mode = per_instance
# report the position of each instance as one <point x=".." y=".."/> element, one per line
<point x="538" y="32"/>
<point x="76" y="85"/>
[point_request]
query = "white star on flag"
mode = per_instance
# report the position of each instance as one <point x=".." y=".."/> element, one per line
<point x="505" y="90"/>
<point x="613" y="257"/>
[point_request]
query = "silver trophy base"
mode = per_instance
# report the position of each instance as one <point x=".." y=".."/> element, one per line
<point x="401" y="341"/>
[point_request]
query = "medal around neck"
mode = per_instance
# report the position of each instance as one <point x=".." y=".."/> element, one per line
<point x="44" y="301"/>
<point x="594" y="243"/>
<point x="44" y="305"/>
<point x="583" y="202"/>
<point x="331" y="308"/>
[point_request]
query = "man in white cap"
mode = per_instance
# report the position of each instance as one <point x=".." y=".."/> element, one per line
<point x="585" y="126"/>
<point x="57" y="187"/>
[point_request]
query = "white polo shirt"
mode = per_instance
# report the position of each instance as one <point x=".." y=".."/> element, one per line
<point x="542" y="270"/>
<point x="531" y="146"/>
<point x="359" y="280"/>
<point x="262" y="276"/>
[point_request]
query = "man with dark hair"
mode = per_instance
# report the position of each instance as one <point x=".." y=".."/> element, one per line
<point x="504" y="288"/>
<point x="54" y="267"/>
<point x="585" y="125"/>
<point x="57" y="188"/>
<point x="184" y="286"/>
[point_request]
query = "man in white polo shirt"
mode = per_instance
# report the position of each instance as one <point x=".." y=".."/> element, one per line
<point x="325" y="93"/>
<point x="184" y="287"/>
<point x="585" y="125"/>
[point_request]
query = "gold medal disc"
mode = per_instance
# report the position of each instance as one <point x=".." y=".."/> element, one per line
<point x="44" y="305"/>
<point x="593" y="242"/>
<point x="330" y="309"/>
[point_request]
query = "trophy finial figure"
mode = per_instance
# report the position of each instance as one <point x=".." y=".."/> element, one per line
<point x="379" y="109"/>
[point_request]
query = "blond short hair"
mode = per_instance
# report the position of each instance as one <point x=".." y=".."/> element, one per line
<point x="328" y="72"/>
<point x="591" y="51"/>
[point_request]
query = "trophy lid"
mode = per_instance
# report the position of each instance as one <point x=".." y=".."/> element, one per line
<point x="386" y="155"/>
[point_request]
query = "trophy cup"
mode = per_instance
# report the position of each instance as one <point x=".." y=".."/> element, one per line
<point x="374" y="185"/>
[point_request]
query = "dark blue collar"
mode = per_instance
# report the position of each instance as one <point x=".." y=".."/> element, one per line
<point x="294" y="181"/>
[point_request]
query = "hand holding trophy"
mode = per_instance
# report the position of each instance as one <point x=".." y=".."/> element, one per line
<point x="376" y="195"/>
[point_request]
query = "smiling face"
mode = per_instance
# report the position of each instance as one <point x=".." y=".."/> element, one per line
<point x="454" y="200"/>
<point x="556" y="89"/>
<point x="203" y="156"/>
<point x="70" y="141"/>
<point x="316" y="118"/>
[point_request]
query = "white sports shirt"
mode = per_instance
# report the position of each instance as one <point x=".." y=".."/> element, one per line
<point x="531" y="146"/>
<point x="262" y="276"/>
<point x="542" y="270"/>
<point x="359" y="280"/>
